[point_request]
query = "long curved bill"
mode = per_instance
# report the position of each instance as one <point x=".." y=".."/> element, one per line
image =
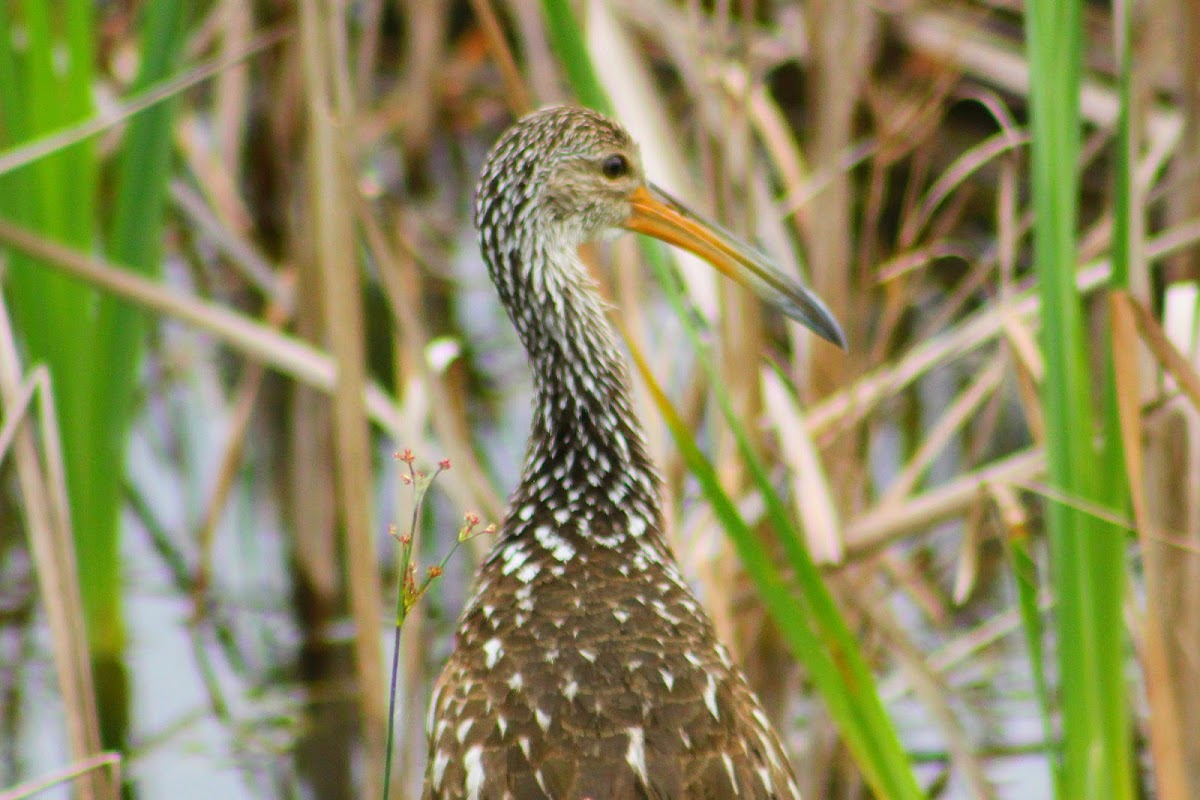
<point x="656" y="213"/>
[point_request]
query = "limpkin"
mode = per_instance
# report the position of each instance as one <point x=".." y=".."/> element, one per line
<point x="584" y="665"/>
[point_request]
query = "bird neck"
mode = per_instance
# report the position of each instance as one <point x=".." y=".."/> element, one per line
<point x="587" y="455"/>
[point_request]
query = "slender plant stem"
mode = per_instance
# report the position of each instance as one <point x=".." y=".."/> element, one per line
<point x="409" y="592"/>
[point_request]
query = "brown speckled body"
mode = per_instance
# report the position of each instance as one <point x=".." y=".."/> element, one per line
<point x="584" y="666"/>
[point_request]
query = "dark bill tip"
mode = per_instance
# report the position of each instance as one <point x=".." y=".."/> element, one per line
<point x="655" y="213"/>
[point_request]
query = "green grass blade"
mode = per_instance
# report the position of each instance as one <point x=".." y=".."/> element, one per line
<point x="89" y="341"/>
<point x="1025" y="575"/>
<point x="55" y="198"/>
<point x="566" y="37"/>
<point x="849" y="690"/>
<point x="135" y="240"/>
<point x="839" y="672"/>
<point x="813" y="624"/>
<point x="1087" y="553"/>
<point x="1122" y="235"/>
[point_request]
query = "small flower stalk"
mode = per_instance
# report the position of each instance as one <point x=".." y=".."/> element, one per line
<point x="413" y="589"/>
<point x="413" y="581"/>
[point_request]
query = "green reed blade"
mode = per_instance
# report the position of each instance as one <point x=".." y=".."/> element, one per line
<point x="811" y="622"/>
<point x="1087" y="553"/>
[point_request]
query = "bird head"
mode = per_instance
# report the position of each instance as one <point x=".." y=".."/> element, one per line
<point x="570" y="175"/>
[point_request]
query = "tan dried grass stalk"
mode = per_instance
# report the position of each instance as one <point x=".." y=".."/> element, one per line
<point x="41" y="478"/>
<point x="330" y="113"/>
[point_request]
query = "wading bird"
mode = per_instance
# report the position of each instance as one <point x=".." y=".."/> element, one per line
<point x="584" y="665"/>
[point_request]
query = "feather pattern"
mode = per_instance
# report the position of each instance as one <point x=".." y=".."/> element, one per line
<point x="584" y="665"/>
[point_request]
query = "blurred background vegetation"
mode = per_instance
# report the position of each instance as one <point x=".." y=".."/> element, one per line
<point x="238" y="272"/>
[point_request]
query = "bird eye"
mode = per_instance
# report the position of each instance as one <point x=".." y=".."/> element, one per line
<point x="615" y="166"/>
